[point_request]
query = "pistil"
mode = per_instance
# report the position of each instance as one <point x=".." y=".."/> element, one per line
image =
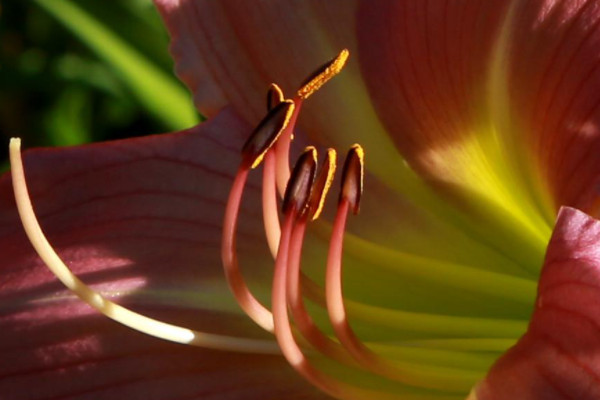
<point x="116" y="312"/>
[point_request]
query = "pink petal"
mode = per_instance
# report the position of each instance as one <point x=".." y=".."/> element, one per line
<point x="555" y="77"/>
<point x="64" y="350"/>
<point x="559" y="356"/>
<point x="228" y="52"/>
<point x="139" y="220"/>
<point x="425" y="64"/>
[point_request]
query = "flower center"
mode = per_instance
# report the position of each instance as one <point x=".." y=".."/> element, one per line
<point x="303" y="194"/>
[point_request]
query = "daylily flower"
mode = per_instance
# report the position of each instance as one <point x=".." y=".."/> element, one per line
<point x="478" y="122"/>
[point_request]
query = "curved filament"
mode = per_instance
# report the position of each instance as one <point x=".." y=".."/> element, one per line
<point x="285" y="337"/>
<point x="255" y="310"/>
<point x="436" y="378"/>
<point x="269" y="203"/>
<point x="112" y="310"/>
<point x="282" y="149"/>
<point x="302" y="318"/>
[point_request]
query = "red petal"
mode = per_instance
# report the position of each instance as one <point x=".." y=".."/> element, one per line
<point x="425" y="64"/>
<point x="62" y="350"/>
<point x="555" y="77"/>
<point x="230" y="52"/>
<point x="140" y="221"/>
<point x="559" y="356"/>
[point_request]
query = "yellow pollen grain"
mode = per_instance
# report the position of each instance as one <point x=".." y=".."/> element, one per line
<point x="330" y="165"/>
<point x="331" y="70"/>
<point x="361" y="160"/>
<point x="274" y="95"/>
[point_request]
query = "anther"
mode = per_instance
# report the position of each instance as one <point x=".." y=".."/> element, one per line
<point x="323" y="74"/>
<point x="301" y="181"/>
<point x="257" y="146"/>
<point x="266" y="133"/>
<point x="274" y="96"/>
<point x="319" y="191"/>
<point x="352" y="178"/>
<point x="297" y="196"/>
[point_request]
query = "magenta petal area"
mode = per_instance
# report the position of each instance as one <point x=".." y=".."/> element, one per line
<point x="140" y="221"/>
<point x="559" y="356"/>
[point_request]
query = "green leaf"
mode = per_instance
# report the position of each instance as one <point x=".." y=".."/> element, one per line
<point x="66" y="123"/>
<point x="160" y="93"/>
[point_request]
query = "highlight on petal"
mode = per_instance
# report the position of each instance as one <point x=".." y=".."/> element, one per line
<point x="437" y="77"/>
<point x="139" y="221"/>
<point x="554" y="74"/>
<point x="559" y="356"/>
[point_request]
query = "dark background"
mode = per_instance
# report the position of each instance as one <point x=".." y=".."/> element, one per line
<point x="57" y="87"/>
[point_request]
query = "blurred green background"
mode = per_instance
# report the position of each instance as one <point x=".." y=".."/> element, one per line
<point x="77" y="71"/>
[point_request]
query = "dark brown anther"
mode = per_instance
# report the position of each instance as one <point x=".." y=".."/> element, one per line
<point x="274" y="96"/>
<point x="266" y="133"/>
<point x="323" y="74"/>
<point x="352" y="177"/>
<point x="322" y="184"/>
<point x="301" y="181"/>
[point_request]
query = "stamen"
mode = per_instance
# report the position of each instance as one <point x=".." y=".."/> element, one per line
<point x="333" y="288"/>
<point x="352" y="177"/>
<point x="282" y="149"/>
<point x="269" y="202"/>
<point x="283" y="330"/>
<point x="322" y="185"/>
<point x="323" y="74"/>
<point x="310" y="85"/>
<point x="266" y="133"/>
<point x="274" y="96"/>
<point x="255" y="310"/>
<point x="350" y="198"/>
<point x="302" y="318"/>
<point x="301" y="181"/>
<point x="112" y="310"/>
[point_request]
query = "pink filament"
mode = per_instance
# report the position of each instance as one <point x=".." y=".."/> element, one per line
<point x="339" y="318"/>
<point x="269" y="203"/>
<point x="272" y="226"/>
<point x="334" y="294"/>
<point x="282" y="149"/>
<point x="255" y="310"/>
<point x="285" y="337"/>
<point x="304" y="322"/>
